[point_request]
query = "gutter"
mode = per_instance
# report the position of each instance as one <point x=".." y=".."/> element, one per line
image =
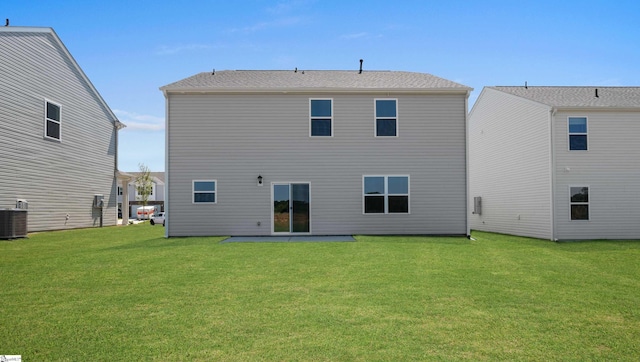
<point x="317" y="90"/>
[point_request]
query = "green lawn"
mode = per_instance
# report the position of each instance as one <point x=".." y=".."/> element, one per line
<point x="129" y="294"/>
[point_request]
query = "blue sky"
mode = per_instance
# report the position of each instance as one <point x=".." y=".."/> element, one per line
<point x="129" y="49"/>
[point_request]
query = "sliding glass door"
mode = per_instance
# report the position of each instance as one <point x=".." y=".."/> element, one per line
<point x="291" y="208"/>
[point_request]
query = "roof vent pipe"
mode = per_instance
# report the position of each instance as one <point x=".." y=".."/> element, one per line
<point x="360" y="72"/>
<point x="525" y="85"/>
<point x="597" y="93"/>
<point x="7" y="23"/>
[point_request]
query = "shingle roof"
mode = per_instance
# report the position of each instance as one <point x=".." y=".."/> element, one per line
<point x="579" y="97"/>
<point x="314" y="80"/>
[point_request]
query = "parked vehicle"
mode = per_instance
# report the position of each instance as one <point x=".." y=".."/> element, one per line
<point x="157" y="219"/>
<point x="145" y="212"/>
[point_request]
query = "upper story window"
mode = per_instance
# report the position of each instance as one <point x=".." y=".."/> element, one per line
<point x="119" y="191"/>
<point x="386" y="118"/>
<point x="577" y="133"/>
<point x="52" y="121"/>
<point x="140" y="190"/>
<point x="386" y="194"/>
<point x="579" y="202"/>
<point x="204" y="192"/>
<point x="321" y="117"/>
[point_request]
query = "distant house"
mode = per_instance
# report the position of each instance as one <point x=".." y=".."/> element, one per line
<point x="316" y="153"/>
<point x="557" y="163"/>
<point x="156" y="198"/>
<point x="58" y="137"/>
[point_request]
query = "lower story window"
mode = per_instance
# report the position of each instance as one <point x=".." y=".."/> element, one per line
<point x="386" y="194"/>
<point x="579" y="202"/>
<point x="204" y="192"/>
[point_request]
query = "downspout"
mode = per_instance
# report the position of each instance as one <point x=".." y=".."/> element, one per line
<point x="115" y="159"/>
<point x="466" y="142"/>
<point x="552" y="163"/>
<point x="167" y="174"/>
<point x="117" y="125"/>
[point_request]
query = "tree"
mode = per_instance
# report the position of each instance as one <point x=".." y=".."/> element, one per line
<point x="143" y="184"/>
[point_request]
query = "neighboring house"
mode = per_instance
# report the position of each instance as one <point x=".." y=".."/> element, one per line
<point x="58" y="137"/>
<point x="316" y="153"/>
<point x="156" y="198"/>
<point x="558" y="163"/>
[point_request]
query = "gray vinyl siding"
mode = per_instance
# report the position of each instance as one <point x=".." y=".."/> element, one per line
<point x="235" y="138"/>
<point x="611" y="169"/>
<point x="509" y="165"/>
<point x="56" y="178"/>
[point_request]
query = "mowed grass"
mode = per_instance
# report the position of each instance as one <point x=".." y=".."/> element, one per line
<point x="127" y="293"/>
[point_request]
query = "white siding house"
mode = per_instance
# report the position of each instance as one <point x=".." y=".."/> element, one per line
<point x="58" y="138"/>
<point x="316" y="153"/>
<point x="559" y="163"/>
<point x="156" y="198"/>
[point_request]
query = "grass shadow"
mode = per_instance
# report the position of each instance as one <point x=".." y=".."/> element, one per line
<point x="565" y="246"/>
<point x="598" y="245"/>
<point x="415" y="239"/>
<point x="163" y="242"/>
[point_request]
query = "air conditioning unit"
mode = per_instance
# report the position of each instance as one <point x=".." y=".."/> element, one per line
<point x="13" y="223"/>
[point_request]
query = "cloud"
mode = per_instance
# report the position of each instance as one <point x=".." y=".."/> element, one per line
<point x="135" y="121"/>
<point x="282" y="14"/>
<point x="264" y="25"/>
<point x="355" y="36"/>
<point x="170" y="50"/>
<point x="283" y="7"/>
<point x="360" y="35"/>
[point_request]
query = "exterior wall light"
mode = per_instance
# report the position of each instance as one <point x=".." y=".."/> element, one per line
<point x="259" y="180"/>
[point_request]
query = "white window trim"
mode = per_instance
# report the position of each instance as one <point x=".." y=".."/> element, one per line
<point x="193" y="192"/>
<point x="376" y="118"/>
<point x="588" y="203"/>
<point x="321" y="118"/>
<point x="386" y="195"/>
<point x="46" y="120"/>
<point x="569" y="134"/>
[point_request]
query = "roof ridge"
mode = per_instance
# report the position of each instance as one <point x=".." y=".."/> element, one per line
<point x="314" y="70"/>
<point x="562" y="86"/>
<point x="306" y="80"/>
<point x="593" y="97"/>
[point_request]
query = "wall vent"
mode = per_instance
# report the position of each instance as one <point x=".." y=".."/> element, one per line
<point x="13" y="223"/>
<point x="22" y="204"/>
<point x="477" y="205"/>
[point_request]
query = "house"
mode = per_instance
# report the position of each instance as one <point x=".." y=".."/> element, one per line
<point x="156" y="197"/>
<point x="315" y="153"/>
<point x="58" y="137"/>
<point x="559" y="163"/>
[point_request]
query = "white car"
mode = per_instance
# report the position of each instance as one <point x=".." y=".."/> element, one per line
<point x="157" y="219"/>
